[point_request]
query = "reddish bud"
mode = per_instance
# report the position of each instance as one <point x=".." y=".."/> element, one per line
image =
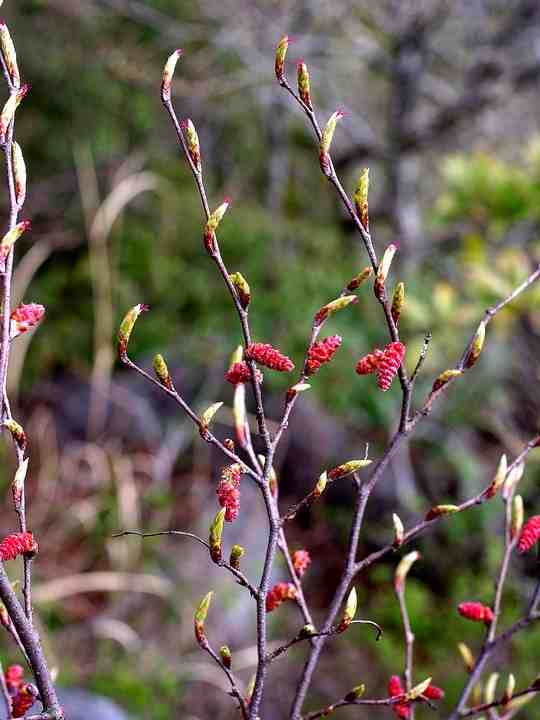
<point x="25" y="317"/>
<point x="433" y="692"/>
<point x="23" y="700"/>
<point x="281" y="52"/>
<point x="301" y="561"/>
<point x="395" y="689"/>
<point x="167" y="76"/>
<point x="385" y="363"/>
<point x="476" y="611"/>
<point x="228" y="491"/>
<point x="241" y="373"/>
<point x="530" y="534"/>
<point x="17" y="544"/>
<point x="14" y="676"/>
<point x="266" y="355"/>
<point x="321" y="352"/>
<point x="278" y="594"/>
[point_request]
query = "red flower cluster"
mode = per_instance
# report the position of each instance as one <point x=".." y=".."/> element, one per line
<point x="385" y="363"/>
<point x="321" y="352"/>
<point x="17" y="544"/>
<point x="278" y="594"/>
<point x="301" y="561"/>
<point x="403" y="709"/>
<point x="25" y="317"/>
<point x="228" y="491"/>
<point x="395" y="688"/>
<point x="22" y="695"/>
<point x="476" y="611"/>
<point x="239" y="372"/>
<point x="530" y="534"/>
<point x="266" y="355"/>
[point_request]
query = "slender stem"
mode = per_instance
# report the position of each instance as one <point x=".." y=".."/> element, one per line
<point x="497" y="703"/>
<point x="382" y="702"/>
<point x="242" y="580"/>
<point x="235" y="692"/>
<point x="409" y="638"/>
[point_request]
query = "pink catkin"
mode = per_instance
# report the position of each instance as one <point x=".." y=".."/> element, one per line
<point x="395" y="688"/>
<point x="25" y="317"/>
<point x="23" y="701"/>
<point x="228" y="491"/>
<point x="389" y="364"/>
<point x="14" y="676"/>
<point x="266" y="355"/>
<point x="530" y="534"/>
<point x="434" y="693"/>
<point x="322" y="352"/>
<point x="301" y="561"/>
<point x="17" y="544"/>
<point x="385" y="363"/>
<point x="240" y="373"/>
<point x="278" y="594"/>
<point x="476" y="612"/>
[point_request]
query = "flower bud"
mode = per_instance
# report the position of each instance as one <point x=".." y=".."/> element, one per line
<point x="361" y="198"/>
<point x="349" y="611"/>
<point x="126" y="328"/>
<point x="382" y="271"/>
<point x="476" y="347"/>
<point x="293" y="391"/>
<point x="490" y="688"/>
<point x="359" y="279"/>
<point x="17" y="433"/>
<point x="167" y="75"/>
<point x="326" y="141"/>
<point x="498" y="480"/>
<point x="200" y="618"/>
<point x="192" y="143"/>
<point x="418" y="690"/>
<point x="215" y="534"/>
<point x="439" y="510"/>
<point x="303" y="84"/>
<point x="225" y="655"/>
<point x="399" y="530"/>
<point x="237" y="552"/>
<point x="517" y="516"/>
<point x="10" y="239"/>
<point x="237" y="355"/>
<point x="9" y="55"/>
<point x="19" y="173"/>
<point x="212" y="225"/>
<point x="355" y="693"/>
<point x="17" y="487"/>
<point x="240" y="416"/>
<point x="398" y="301"/>
<point x="332" y="307"/>
<point x="208" y="414"/>
<point x="510" y="688"/>
<point x="404" y="567"/>
<point x="307" y="631"/>
<point x="320" y="487"/>
<point x="8" y="111"/>
<point x="281" y="52"/>
<point x="347" y="468"/>
<point x="513" y="477"/>
<point x="21" y="543"/>
<point x="242" y="288"/>
<point x="25" y="317"/>
<point x="445" y="377"/>
<point x="466" y="656"/>
<point x="162" y="371"/>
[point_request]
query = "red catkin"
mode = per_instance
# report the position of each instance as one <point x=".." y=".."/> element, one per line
<point x="23" y="701"/>
<point x="278" y="594"/>
<point x="385" y="363"/>
<point x="267" y="355"/>
<point x="476" y="611"/>
<point x="389" y="364"/>
<point x="322" y="352"/>
<point x="25" y="317"/>
<point x="228" y="491"/>
<point x="530" y="534"/>
<point x="240" y="373"/>
<point x="17" y="544"/>
<point x="433" y="692"/>
<point x="301" y="561"/>
<point x="14" y="676"/>
<point x="395" y="688"/>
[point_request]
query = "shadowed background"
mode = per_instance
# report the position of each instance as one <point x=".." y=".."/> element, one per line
<point x="441" y="102"/>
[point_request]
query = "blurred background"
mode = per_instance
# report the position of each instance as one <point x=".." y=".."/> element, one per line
<point x="442" y="104"/>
